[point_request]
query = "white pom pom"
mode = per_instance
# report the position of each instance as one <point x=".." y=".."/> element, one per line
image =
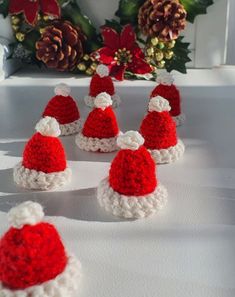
<point x="48" y="127"/>
<point x="165" y="78"/>
<point x="62" y="90"/>
<point x="159" y="104"/>
<point x="131" y="140"/>
<point x="102" y="70"/>
<point x="27" y="213"/>
<point x="103" y="100"/>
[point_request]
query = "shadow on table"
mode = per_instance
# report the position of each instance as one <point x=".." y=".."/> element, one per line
<point x="7" y="183"/>
<point x="79" y="204"/>
<point x="13" y="149"/>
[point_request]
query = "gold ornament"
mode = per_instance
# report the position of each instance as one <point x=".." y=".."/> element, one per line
<point x="86" y="57"/>
<point x="46" y="18"/>
<point x="89" y="71"/>
<point x="154" y="41"/>
<point x="150" y="51"/>
<point x="81" y="67"/>
<point x="42" y="30"/>
<point x="20" y="36"/>
<point x="15" y="20"/>
<point x="169" y="55"/>
<point x="15" y="28"/>
<point x="170" y="44"/>
<point x="93" y="66"/>
<point x="161" y="64"/>
<point x="159" y="55"/>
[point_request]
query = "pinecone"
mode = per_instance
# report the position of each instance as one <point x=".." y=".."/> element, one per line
<point x="163" y="19"/>
<point x="60" y="46"/>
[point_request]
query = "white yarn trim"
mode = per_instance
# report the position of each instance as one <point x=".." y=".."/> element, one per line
<point x="91" y="144"/>
<point x="26" y="213"/>
<point x="130" y="206"/>
<point x="159" y="104"/>
<point x="62" y="90"/>
<point x="38" y="180"/>
<point x="71" y="128"/>
<point x="65" y="284"/>
<point x="89" y="101"/>
<point x="168" y="155"/>
<point x="102" y="70"/>
<point x="130" y="140"/>
<point x="48" y="126"/>
<point x="180" y="119"/>
<point x="103" y="100"/>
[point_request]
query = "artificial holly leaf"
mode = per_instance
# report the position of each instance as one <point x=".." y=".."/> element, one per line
<point x="128" y="11"/>
<point x="180" y="58"/>
<point x="195" y="7"/>
<point x="4" y="7"/>
<point x="113" y="24"/>
<point x="73" y="12"/>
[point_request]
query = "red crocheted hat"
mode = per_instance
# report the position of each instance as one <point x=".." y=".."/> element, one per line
<point x="159" y="131"/>
<point x="101" y="82"/>
<point x="132" y="189"/>
<point x="33" y="260"/>
<point x="100" y="129"/>
<point x="169" y="91"/>
<point x="64" y="109"/>
<point x="44" y="163"/>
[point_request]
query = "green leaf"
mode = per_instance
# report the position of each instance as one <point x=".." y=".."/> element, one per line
<point x="180" y="58"/>
<point x="4" y="7"/>
<point x="195" y="7"/>
<point x="128" y="11"/>
<point x="73" y="12"/>
<point x="114" y="24"/>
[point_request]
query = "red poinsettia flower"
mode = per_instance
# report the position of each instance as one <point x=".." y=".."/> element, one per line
<point x="30" y="9"/>
<point x="121" y="52"/>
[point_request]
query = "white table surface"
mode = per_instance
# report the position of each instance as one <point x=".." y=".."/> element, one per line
<point x="187" y="249"/>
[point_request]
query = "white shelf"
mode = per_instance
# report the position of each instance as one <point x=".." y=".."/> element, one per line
<point x="221" y="76"/>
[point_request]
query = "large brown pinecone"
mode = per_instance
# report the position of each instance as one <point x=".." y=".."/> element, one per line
<point x="60" y="46"/>
<point x="163" y="19"/>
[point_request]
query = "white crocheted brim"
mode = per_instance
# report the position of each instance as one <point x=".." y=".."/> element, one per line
<point x="180" y="119"/>
<point x="89" y="100"/>
<point x="65" y="284"/>
<point x="71" y="128"/>
<point x="91" y="144"/>
<point x="130" y="207"/>
<point x="38" y="180"/>
<point x="170" y="154"/>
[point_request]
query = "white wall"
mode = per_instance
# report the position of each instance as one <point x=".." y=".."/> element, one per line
<point x="231" y="34"/>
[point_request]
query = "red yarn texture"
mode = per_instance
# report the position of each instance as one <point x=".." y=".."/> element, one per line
<point x="158" y="130"/>
<point x="30" y="256"/>
<point x="133" y="173"/>
<point x="101" y="84"/>
<point x="101" y="124"/>
<point x="172" y="94"/>
<point x="64" y="109"/>
<point x="44" y="153"/>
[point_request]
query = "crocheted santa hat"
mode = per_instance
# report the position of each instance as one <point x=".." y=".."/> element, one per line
<point x="100" y="129"/>
<point x="101" y="82"/>
<point x="169" y="91"/>
<point x="33" y="260"/>
<point x="44" y="163"/>
<point x="159" y="131"/>
<point x="132" y="189"/>
<point x="64" y="109"/>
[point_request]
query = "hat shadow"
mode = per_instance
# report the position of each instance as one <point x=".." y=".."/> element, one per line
<point x="13" y="149"/>
<point x="79" y="205"/>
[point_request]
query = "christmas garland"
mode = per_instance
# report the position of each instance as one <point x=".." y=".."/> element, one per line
<point x="144" y="37"/>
